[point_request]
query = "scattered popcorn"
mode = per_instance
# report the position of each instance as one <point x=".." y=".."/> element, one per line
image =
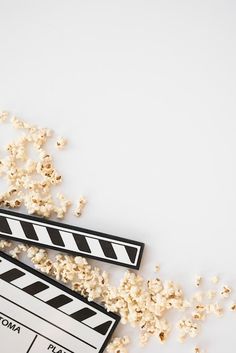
<point x="226" y="291"/>
<point x="31" y="181"/>
<point x="61" y="143"/>
<point x="80" y="206"/>
<point x="187" y="327"/>
<point x="117" y="345"/>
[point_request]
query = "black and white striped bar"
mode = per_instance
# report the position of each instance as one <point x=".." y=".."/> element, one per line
<point x="67" y="238"/>
<point x="51" y="314"/>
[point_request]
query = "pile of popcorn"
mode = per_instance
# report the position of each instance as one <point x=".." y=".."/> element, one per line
<point x="143" y="304"/>
<point x="31" y="181"/>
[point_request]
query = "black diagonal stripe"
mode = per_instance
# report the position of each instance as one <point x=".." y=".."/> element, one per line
<point x="35" y="288"/>
<point x="11" y="275"/>
<point x="55" y="236"/>
<point x="107" y="249"/>
<point x="29" y="230"/>
<point x="4" y="226"/>
<point x="132" y="252"/>
<point x="82" y="243"/>
<point x="83" y="314"/>
<point x="59" y="301"/>
<point x="103" y="328"/>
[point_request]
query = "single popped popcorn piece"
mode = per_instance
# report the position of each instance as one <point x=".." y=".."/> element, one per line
<point x="226" y="291"/>
<point x="198" y="280"/>
<point x="200" y="307"/>
<point x="80" y="206"/>
<point x="197" y="316"/>
<point x="61" y="143"/>
<point x="4" y="244"/>
<point x="233" y="307"/>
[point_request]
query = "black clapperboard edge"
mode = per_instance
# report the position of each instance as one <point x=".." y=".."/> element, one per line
<point x="74" y="228"/>
<point x="70" y="292"/>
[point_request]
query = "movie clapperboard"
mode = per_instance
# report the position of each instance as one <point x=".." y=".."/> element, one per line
<point x="71" y="239"/>
<point x="39" y="315"/>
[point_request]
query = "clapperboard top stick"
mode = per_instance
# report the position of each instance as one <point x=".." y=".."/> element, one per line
<point x="71" y="239"/>
<point x="51" y="313"/>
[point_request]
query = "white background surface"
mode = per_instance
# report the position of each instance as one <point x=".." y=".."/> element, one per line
<point x="145" y="92"/>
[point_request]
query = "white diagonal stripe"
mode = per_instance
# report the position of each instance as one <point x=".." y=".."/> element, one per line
<point x="121" y="254"/>
<point x="48" y="294"/>
<point x="43" y="235"/>
<point x="6" y="266"/>
<point x="23" y="281"/>
<point x="69" y="241"/>
<point x="95" y="247"/>
<point x="16" y="229"/>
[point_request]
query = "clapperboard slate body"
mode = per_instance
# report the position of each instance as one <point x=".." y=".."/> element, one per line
<point x="39" y="315"/>
<point x="67" y="238"/>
